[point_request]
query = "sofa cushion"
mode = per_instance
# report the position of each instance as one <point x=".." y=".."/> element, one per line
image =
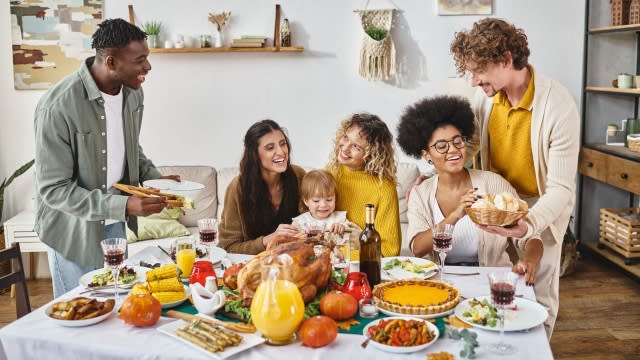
<point x="207" y="201"/>
<point x="225" y="175"/>
<point x="407" y="175"/>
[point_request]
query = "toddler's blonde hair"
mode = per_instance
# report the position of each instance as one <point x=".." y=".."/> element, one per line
<point x="317" y="182"/>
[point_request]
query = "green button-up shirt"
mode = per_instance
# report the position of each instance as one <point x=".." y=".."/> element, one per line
<point x="72" y="201"/>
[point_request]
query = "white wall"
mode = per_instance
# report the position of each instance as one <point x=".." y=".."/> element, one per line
<point x="198" y="106"/>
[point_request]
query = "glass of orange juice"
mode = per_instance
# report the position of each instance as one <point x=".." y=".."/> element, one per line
<point x="277" y="307"/>
<point x="185" y="255"/>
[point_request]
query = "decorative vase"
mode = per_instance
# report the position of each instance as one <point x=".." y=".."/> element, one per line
<point x="218" y="41"/>
<point x="153" y="41"/>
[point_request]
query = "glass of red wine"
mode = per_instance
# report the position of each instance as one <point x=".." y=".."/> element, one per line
<point x="442" y="243"/>
<point x="208" y="229"/>
<point x="503" y="291"/>
<point x="114" y="250"/>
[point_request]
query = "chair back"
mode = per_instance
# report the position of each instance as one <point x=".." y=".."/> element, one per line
<point x="16" y="277"/>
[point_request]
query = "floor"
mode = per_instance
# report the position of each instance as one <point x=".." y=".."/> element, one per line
<point x="599" y="312"/>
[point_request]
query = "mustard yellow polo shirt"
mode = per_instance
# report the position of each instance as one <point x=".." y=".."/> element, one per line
<point x="510" y="140"/>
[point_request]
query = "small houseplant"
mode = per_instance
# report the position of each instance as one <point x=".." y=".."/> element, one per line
<point x="152" y="28"/>
<point x="376" y="33"/>
<point x="5" y="266"/>
<point x="612" y="129"/>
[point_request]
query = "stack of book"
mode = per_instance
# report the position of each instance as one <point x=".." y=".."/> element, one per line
<point x="249" y="41"/>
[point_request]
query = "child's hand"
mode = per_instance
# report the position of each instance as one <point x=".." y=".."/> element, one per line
<point x="337" y="229"/>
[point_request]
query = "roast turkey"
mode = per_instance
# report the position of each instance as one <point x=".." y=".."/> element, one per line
<point x="308" y="271"/>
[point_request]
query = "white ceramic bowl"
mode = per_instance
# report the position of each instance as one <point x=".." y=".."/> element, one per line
<point x="402" y="349"/>
<point x="186" y="188"/>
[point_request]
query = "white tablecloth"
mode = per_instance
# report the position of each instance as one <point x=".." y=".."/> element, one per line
<point x="36" y="337"/>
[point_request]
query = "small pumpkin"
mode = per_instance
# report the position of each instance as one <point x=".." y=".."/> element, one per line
<point x="140" y="310"/>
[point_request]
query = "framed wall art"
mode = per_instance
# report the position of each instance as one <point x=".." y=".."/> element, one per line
<point x="50" y="39"/>
<point x="464" y="7"/>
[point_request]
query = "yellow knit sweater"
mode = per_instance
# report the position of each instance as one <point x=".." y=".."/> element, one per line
<point x="355" y="189"/>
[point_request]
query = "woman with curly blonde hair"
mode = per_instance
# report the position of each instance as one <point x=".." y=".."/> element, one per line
<point x="364" y="166"/>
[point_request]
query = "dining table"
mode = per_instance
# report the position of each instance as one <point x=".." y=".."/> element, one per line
<point x="36" y="336"/>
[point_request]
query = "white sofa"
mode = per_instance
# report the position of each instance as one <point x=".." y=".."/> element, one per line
<point x="211" y="200"/>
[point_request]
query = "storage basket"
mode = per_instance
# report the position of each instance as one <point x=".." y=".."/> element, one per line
<point x="633" y="142"/>
<point x="620" y="230"/>
<point x="496" y="217"/>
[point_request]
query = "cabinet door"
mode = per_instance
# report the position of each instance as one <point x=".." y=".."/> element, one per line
<point x="624" y="174"/>
<point x="593" y="164"/>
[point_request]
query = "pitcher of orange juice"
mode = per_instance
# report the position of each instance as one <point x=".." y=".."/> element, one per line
<point x="277" y="307"/>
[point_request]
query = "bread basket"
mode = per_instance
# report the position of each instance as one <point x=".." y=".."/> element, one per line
<point x="633" y="141"/>
<point x="484" y="216"/>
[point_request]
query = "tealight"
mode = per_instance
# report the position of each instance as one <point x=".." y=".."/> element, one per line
<point x="368" y="308"/>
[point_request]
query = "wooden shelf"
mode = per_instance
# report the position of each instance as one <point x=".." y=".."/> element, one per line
<point x="269" y="49"/>
<point x="612" y="256"/>
<point x="615" y="29"/>
<point x="612" y="90"/>
<point x="621" y="151"/>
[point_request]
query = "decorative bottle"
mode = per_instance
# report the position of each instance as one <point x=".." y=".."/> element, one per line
<point x="370" y="248"/>
<point x="285" y="34"/>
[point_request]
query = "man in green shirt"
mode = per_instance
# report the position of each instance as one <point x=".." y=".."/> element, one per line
<point x="86" y="135"/>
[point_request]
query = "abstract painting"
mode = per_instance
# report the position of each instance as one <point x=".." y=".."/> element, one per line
<point x="50" y="39"/>
<point x="464" y="7"/>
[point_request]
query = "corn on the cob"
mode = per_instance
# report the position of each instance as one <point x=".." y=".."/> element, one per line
<point x="140" y="289"/>
<point x="162" y="272"/>
<point x="168" y="296"/>
<point x="172" y="284"/>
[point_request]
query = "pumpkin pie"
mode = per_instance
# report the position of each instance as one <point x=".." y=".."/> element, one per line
<point x="416" y="297"/>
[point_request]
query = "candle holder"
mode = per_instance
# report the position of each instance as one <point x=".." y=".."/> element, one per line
<point x="368" y="308"/>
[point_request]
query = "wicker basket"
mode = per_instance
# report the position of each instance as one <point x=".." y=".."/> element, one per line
<point x="620" y="230"/>
<point x="494" y="216"/>
<point x="633" y="142"/>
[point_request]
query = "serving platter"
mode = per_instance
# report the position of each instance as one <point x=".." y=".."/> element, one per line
<point x="77" y="323"/>
<point x="526" y="314"/>
<point x="248" y="340"/>
<point x="87" y="278"/>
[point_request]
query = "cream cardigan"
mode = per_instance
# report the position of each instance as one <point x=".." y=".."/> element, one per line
<point x="555" y="131"/>
<point x="491" y="247"/>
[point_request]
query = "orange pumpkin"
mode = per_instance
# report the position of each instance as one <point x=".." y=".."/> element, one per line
<point x="140" y="310"/>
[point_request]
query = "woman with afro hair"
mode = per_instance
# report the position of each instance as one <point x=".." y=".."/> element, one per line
<point x="437" y="129"/>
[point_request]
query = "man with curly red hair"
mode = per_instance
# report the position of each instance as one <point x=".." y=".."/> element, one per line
<point x="527" y="126"/>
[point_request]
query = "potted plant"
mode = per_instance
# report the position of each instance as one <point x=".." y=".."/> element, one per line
<point x="5" y="266"/>
<point x="376" y="33"/>
<point x="152" y="28"/>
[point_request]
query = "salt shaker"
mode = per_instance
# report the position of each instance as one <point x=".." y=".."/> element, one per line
<point x="211" y="283"/>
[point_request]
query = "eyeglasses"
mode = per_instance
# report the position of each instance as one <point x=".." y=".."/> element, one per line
<point x="442" y="146"/>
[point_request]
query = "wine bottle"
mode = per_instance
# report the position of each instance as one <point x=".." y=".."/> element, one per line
<point x="370" y="248"/>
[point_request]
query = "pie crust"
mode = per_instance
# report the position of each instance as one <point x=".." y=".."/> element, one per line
<point x="416" y="297"/>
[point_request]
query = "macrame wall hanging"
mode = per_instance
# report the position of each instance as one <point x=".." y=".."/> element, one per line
<point x="377" y="54"/>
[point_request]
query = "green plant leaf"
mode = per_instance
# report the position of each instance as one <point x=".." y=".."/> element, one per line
<point x="376" y="33"/>
<point x="7" y="181"/>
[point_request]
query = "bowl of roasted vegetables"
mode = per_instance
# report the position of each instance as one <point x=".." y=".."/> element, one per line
<point x="401" y="334"/>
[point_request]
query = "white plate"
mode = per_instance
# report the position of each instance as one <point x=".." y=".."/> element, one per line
<point x="217" y="254"/>
<point x="186" y="188"/>
<point x="86" y="279"/>
<point x="397" y="273"/>
<point x="187" y="293"/>
<point x="401" y="349"/>
<point x="428" y="316"/>
<point x="529" y="314"/>
<point x="77" y="323"/>
<point x="248" y="340"/>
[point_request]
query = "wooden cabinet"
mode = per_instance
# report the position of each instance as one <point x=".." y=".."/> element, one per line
<point x="609" y="176"/>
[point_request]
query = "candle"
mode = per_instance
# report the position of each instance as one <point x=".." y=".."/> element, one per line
<point x="368" y="308"/>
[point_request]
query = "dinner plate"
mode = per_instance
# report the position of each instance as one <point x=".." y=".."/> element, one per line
<point x="397" y="273"/>
<point x="86" y="279"/>
<point x="248" y="340"/>
<point x="217" y="254"/>
<point x="427" y="316"/>
<point x="528" y="314"/>
<point x="77" y="323"/>
<point x="186" y="188"/>
<point x="401" y="349"/>
<point x="169" y="305"/>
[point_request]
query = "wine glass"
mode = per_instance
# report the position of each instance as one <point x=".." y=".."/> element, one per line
<point x="503" y="291"/>
<point x="113" y="250"/>
<point x="208" y="229"/>
<point x="442" y="241"/>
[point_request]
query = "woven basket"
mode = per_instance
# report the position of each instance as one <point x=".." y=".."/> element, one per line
<point x="494" y="216"/>
<point x="633" y="142"/>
